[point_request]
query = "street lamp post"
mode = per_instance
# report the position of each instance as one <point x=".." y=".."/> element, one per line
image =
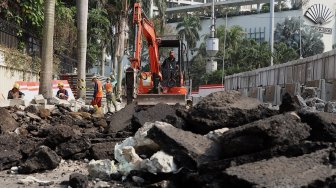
<point x="272" y="29"/>
<point x="224" y="50"/>
<point x="300" y="39"/>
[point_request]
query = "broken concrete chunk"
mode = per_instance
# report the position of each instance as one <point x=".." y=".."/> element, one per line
<point x="300" y="171"/>
<point x="33" y="116"/>
<point x="30" y="180"/>
<point x="54" y="100"/>
<point x="102" y="150"/>
<point x="161" y="162"/>
<point x="225" y="109"/>
<point x="121" y="120"/>
<point x="259" y="135"/>
<point x="128" y="160"/>
<point x="39" y="99"/>
<point x="70" y="148"/>
<point x="323" y="125"/>
<point x="77" y="180"/>
<point x="102" y="169"/>
<point x="44" y="113"/>
<point x="10" y="154"/>
<point x="7" y="122"/>
<point x="330" y="107"/>
<point x="32" y="109"/>
<point x="42" y="159"/>
<point x="216" y="134"/>
<point x="102" y="184"/>
<point x="187" y="148"/>
<point x="152" y="114"/>
<point x="309" y="92"/>
<point x="144" y="145"/>
<point x="59" y="134"/>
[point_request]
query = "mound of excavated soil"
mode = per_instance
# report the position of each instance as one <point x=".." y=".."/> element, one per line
<point x="225" y="109"/>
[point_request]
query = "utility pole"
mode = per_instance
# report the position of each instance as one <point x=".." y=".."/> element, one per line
<point x="272" y="29"/>
<point x="224" y="50"/>
<point x="45" y="87"/>
<point x="82" y="16"/>
<point x="212" y="42"/>
<point x="300" y="39"/>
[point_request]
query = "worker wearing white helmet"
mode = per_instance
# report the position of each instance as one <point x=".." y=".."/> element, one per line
<point x="15" y="92"/>
<point x="62" y="93"/>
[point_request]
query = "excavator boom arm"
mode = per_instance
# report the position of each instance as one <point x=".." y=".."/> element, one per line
<point x="146" y="28"/>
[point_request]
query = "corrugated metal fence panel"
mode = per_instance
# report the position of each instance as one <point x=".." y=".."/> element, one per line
<point x="322" y="66"/>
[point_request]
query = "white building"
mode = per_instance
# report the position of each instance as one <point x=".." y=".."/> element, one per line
<point x="318" y="14"/>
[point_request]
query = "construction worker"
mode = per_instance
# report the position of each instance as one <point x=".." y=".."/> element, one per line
<point x="170" y="62"/>
<point x="97" y="95"/>
<point x="15" y="92"/>
<point x="168" y="67"/>
<point x="62" y="93"/>
<point x="110" y="96"/>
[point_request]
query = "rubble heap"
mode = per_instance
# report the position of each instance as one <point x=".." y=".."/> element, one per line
<point x="226" y="140"/>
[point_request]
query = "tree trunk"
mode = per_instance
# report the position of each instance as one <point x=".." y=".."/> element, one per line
<point x="116" y="51"/>
<point x="103" y="60"/>
<point x="47" y="49"/>
<point x="82" y="17"/>
<point x="121" y="47"/>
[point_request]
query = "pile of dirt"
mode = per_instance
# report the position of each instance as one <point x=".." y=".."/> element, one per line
<point x="225" y="109"/>
<point x="226" y="140"/>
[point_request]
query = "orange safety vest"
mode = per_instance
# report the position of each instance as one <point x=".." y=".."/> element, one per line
<point x="100" y="89"/>
<point x="108" y="87"/>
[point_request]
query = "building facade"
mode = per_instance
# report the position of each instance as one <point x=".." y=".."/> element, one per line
<point x="318" y="14"/>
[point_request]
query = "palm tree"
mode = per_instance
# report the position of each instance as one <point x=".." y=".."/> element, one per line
<point x="82" y="16"/>
<point x="188" y="30"/>
<point x="47" y="49"/>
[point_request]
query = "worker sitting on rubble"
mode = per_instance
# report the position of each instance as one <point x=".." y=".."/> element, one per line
<point x="62" y="93"/>
<point x="15" y="92"/>
<point x="110" y="96"/>
<point x="97" y="95"/>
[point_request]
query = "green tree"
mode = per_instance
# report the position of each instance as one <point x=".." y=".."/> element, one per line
<point x="283" y="53"/>
<point x="188" y="30"/>
<point x="99" y="33"/>
<point x="288" y="32"/>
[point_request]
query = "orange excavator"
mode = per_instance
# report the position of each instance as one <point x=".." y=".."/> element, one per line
<point x="154" y="86"/>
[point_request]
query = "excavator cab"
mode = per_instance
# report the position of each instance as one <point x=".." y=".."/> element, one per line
<point x="156" y="85"/>
<point x="171" y="87"/>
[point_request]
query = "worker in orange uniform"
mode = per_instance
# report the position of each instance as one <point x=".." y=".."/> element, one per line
<point x="110" y="96"/>
<point x="15" y="92"/>
<point x="97" y="95"/>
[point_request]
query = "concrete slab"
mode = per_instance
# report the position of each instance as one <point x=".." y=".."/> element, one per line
<point x="39" y="99"/>
<point x="269" y="93"/>
<point x="187" y="148"/>
<point x="303" y="171"/>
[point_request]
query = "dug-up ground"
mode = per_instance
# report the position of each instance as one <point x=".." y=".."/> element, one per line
<point x="226" y="140"/>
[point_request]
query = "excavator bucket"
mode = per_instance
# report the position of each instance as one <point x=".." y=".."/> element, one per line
<point x="153" y="99"/>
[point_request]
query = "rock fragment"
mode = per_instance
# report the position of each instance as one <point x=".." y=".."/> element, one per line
<point x="42" y="159"/>
<point x="187" y="148"/>
<point x="77" y="180"/>
<point x="225" y="109"/>
<point x="281" y="129"/>
<point x="302" y="171"/>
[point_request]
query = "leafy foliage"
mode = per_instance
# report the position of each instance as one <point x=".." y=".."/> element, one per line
<point x="188" y="29"/>
<point x="99" y="33"/>
<point x="288" y="32"/>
